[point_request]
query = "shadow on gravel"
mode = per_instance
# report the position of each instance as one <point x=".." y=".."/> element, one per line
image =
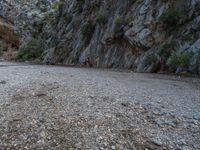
<point x="3" y="82"/>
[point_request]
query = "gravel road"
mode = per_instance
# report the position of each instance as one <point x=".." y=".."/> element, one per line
<point x="65" y="108"/>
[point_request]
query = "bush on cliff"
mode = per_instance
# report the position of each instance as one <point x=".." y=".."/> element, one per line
<point x="102" y="18"/>
<point x="171" y="19"/>
<point x="2" y="47"/>
<point x="119" y="22"/>
<point x="179" y="59"/>
<point x="31" y="49"/>
<point x="166" y="50"/>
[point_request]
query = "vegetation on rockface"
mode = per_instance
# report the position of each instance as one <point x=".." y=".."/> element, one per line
<point x="91" y="7"/>
<point x="31" y="49"/>
<point x="58" y="14"/>
<point x="102" y="18"/>
<point x="87" y="31"/>
<point x="57" y="8"/>
<point x="2" y="47"/>
<point x="166" y="50"/>
<point x="171" y="58"/>
<point x="179" y="59"/>
<point x="53" y="15"/>
<point x="114" y="31"/>
<point x="171" y="19"/>
<point x="133" y="1"/>
<point x="1" y="52"/>
<point x="119" y="22"/>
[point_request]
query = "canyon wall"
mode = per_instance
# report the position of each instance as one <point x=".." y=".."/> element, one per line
<point x="141" y="35"/>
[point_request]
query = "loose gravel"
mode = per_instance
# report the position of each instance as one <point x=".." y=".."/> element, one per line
<point x="65" y="108"/>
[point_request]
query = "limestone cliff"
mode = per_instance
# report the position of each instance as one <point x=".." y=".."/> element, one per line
<point x="141" y="35"/>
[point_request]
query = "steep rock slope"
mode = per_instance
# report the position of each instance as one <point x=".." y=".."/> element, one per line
<point x="24" y="13"/>
<point x="142" y="35"/>
<point x="17" y="20"/>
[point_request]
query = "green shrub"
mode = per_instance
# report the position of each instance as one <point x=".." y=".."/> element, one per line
<point x="118" y="24"/>
<point x="179" y="59"/>
<point x="92" y="6"/>
<point x="31" y="49"/>
<point x="87" y="31"/>
<point x="171" y="18"/>
<point x="2" y="47"/>
<point x="102" y="18"/>
<point x="166" y="50"/>
<point x="132" y="1"/>
<point x="1" y="52"/>
<point x="57" y="9"/>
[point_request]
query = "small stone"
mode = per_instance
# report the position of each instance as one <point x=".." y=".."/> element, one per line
<point x="113" y="147"/>
<point x="105" y="144"/>
<point x="197" y="116"/>
<point x="42" y="134"/>
<point x="125" y="104"/>
<point x="157" y="141"/>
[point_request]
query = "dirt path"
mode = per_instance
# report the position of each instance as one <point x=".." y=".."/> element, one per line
<point x="49" y="107"/>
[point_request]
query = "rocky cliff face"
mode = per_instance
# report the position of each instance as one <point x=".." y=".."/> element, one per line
<point x="24" y="13"/>
<point x="142" y="35"/>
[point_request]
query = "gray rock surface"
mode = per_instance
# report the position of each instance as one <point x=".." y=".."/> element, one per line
<point x="122" y="37"/>
<point x="141" y="33"/>
<point x="23" y="13"/>
<point x="57" y="107"/>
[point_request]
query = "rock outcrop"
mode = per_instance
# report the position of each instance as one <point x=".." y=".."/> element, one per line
<point x="141" y="35"/>
<point x="7" y="33"/>
<point x="24" y="13"/>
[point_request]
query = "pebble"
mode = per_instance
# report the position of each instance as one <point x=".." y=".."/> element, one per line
<point x="157" y="141"/>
